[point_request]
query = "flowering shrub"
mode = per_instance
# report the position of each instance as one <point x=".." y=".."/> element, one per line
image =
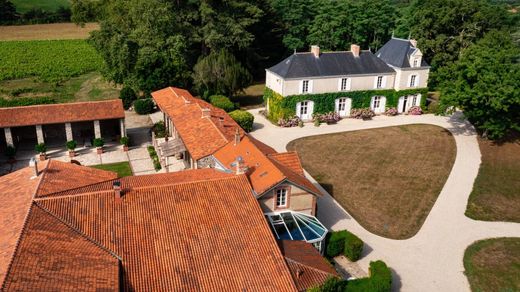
<point x="391" y="111"/>
<point x="362" y="113"/>
<point x="329" y="118"/>
<point x="415" y="110"/>
<point x="292" y="122"/>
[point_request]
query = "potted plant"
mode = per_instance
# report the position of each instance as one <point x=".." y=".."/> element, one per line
<point x="42" y="149"/>
<point x="124" y="141"/>
<point x="98" y="143"/>
<point x="71" y="145"/>
<point x="10" y="152"/>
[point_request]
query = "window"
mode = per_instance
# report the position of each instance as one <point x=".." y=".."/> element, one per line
<point x="281" y="198"/>
<point x="304" y="107"/>
<point x="377" y="102"/>
<point x="379" y="82"/>
<point x="305" y="86"/>
<point x="342" y="103"/>
<point x="412" y="80"/>
<point x="344" y="83"/>
<point x="415" y="63"/>
<point x="414" y="100"/>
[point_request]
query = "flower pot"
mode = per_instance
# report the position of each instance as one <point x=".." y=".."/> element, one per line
<point x="99" y="150"/>
<point x="72" y="153"/>
<point x="43" y="156"/>
<point x="125" y="148"/>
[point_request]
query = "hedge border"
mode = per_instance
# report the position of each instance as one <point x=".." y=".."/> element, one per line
<point x="285" y="107"/>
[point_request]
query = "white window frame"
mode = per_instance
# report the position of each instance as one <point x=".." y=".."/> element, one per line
<point x="380" y="82"/>
<point x="281" y="197"/>
<point x="376" y="100"/>
<point x="305" y="86"/>
<point x="415" y="63"/>
<point x="344" y="84"/>
<point x="413" y="80"/>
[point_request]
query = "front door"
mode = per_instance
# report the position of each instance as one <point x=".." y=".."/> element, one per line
<point x="304" y="110"/>
<point x="343" y="106"/>
<point x="405" y="102"/>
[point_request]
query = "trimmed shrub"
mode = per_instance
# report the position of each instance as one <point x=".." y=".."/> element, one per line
<point x="10" y="151"/>
<point x="415" y="110"/>
<point x="124" y="141"/>
<point x="362" y="113"/>
<point x="143" y="106"/>
<point x="329" y="118"/>
<point x="380" y="279"/>
<point x="332" y="284"/>
<point x="71" y="145"/>
<point x="98" y="142"/>
<point x="353" y="247"/>
<point x="155" y="158"/>
<point x="336" y="243"/>
<point x="128" y="96"/>
<point x="391" y="111"/>
<point x="292" y="122"/>
<point x="40" y="148"/>
<point x="159" y="129"/>
<point x="222" y="102"/>
<point x="244" y="119"/>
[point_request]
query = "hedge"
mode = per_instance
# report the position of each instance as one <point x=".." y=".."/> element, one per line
<point x="244" y="119"/>
<point x="222" y="102"/>
<point x="25" y="101"/>
<point x="353" y="247"/>
<point x="155" y="158"/>
<point x="344" y="242"/>
<point x="143" y="106"/>
<point x="285" y="107"/>
<point x="336" y="243"/>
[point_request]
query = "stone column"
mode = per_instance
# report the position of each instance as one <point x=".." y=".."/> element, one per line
<point x="97" y="129"/>
<point x="122" y="127"/>
<point x="39" y="134"/>
<point x="8" y="137"/>
<point x="68" y="132"/>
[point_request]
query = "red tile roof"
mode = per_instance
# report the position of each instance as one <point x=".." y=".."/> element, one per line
<point x="174" y="231"/>
<point x="202" y="136"/>
<point x="289" y="159"/>
<point x="61" y="113"/>
<point x="308" y="267"/>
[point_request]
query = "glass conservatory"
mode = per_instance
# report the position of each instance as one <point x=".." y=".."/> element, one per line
<point x="297" y="226"/>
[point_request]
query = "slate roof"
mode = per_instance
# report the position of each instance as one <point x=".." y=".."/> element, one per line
<point x="61" y="113"/>
<point x="201" y="136"/>
<point x="305" y="65"/>
<point x="396" y="52"/>
<point x="196" y="230"/>
<point x="308" y="267"/>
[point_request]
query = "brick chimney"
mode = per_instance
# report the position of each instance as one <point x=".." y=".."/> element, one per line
<point x="355" y="50"/>
<point x="237" y="137"/>
<point x="240" y="169"/>
<point x="414" y="43"/>
<point x="34" y="164"/>
<point x="315" y="50"/>
<point x="206" y="112"/>
<point x="117" y="189"/>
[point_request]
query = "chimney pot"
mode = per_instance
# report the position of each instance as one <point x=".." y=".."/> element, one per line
<point x="117" y="189"/>
<point x="355" y="50"/>
<point x="315" y="50"/>
<point x="414" y="43"/>
<point x="34" y="164"/>
<point x="206" y="112"/>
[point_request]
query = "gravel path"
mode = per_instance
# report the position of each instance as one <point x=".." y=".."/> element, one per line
<point x="432" y="259"/>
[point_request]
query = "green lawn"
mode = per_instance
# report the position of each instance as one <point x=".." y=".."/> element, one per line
<point x="252" y="97"/>
<point x="47" y="5"/>
<point x="122" y="168"/>
<point x="496" y="192"/>
<point x="493" y="265"/>
<point x="388" y="179"/>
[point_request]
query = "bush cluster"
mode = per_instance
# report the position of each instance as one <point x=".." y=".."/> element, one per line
<point x="415" y="110"/>
<point x="143" y="106"/>
<point x="291" y="122"/>
<point x="329" y="118"/>
<point x="25" y="101"/>
<point x="71" y="145"/>
<point x="222" y="102"/>
<point x="98" y="142"/>
<point x="362" y="113"/>
<point x="344" y="242"/>
<point x="391" y="111"/>
<point x="244" y="119"/>
<point x="128" y="96"/>
<point x="155" y="158"/>
<point x="159" y="129"/>
<point x="40" y="148"/>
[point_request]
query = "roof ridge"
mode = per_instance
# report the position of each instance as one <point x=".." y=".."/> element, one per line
<point x="311" y="267"/>
<point x="44" y="172"/>
<point x="102" y="247"/>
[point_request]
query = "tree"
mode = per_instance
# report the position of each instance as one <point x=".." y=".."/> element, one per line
<point x="220" y="73"/>
<point x="7" y="11"/>
<point x="484" y="84"/>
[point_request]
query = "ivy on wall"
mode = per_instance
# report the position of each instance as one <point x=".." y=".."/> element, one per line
<point x="285" y="107"/>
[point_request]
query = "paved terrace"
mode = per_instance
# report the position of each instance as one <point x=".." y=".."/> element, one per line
<point x="432" y="259"/>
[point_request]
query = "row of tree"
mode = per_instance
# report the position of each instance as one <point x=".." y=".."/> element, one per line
<point x="9" y="15"/>
<point x="218" y="47"/>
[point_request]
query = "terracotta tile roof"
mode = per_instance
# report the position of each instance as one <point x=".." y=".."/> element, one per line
<point x="61" y="113"/>
<point x="201" y="136"/>
<point x="174" y="231"/>
<point x="264" y="171"/>
<point x="59" y="176"/>
<point x="308" y="267"/>
<point x="16" y="193"/>
<point x="53" y="257"/>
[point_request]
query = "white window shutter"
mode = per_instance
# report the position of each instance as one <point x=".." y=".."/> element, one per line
<point x="417" y="80"/>
<point x="339" y="84"/>
<point x="418" y="101"/>
<point x="375" y="81"/>
<point x="311" y="108"/>
<point x="349" y="83"/>
<point x="310" y="86"/>
<point x="298" y="106"/>
<point x="300" y="87"/>
<point x="336" y="105"/>
<point x="383" y="84"/>
<point x="382" y="106"/>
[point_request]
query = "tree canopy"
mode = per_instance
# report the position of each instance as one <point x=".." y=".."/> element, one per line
<point x="485" y="84"/>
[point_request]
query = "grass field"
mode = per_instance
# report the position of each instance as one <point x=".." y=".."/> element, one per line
<point x="51" y="31"/>
<point x="47" y="5"/>
<point x="388" y="179"/>
<point x="252" y="97"/>
<point x="54" y="60"/>
<point x="493" y="265"/>
<point x="121" y="168"/>
<point x="496" y="192"/>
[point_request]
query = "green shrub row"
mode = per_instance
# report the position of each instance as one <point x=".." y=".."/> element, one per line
<point x="244" y="119"/>
<point x="344" y="242"/>
<point x="25" y="101"/>
<point x="155" y="158"/>
<point x="379" y="280"/>
<point x="285" y="107"/>
<point x="222" y="102"/>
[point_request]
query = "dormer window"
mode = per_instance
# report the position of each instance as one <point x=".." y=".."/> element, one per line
<point x="281" y="198"/>
<point x="415" y="63"/>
